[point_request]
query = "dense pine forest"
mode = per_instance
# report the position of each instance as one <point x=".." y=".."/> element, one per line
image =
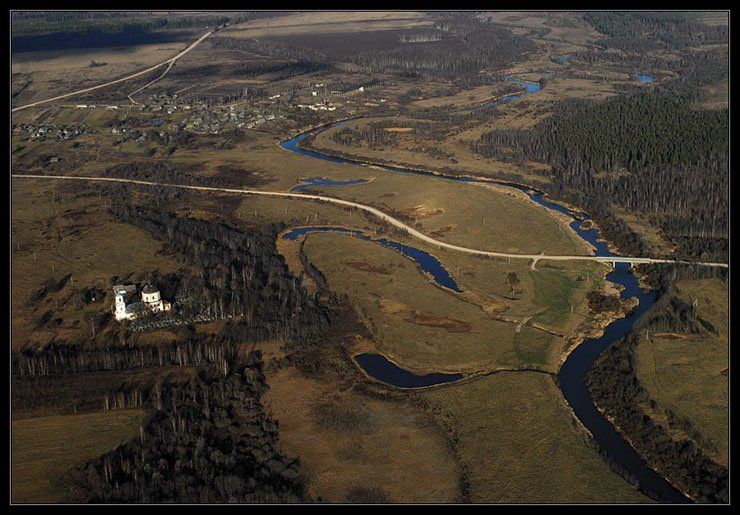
<point x="649" y="153"/>
<point x="654" y="29"/>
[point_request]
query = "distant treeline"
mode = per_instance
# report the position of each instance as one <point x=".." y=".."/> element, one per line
<point x="164" y="172"/>
<point x="651" y="153"/>
<point x="458" y="46"/>
<point x="465" y="46"/>
<point x="614" y="385"/>
<point x="40" y="22"/>
<point x="665" y="29"/>
<point x="94" y="39"/>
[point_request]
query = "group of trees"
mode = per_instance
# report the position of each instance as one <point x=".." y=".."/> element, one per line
<point x="615" y="388"/>
<point x="378" y="136"/>
<point x="164" y="172"/>
<point x="38" y="22"/>
<point x="651" y="153"/>
<point x="208" y="440"/>
<point x="235" y="274"/>
<point x="75" y="358"/>
<point x="460" y="47"/>
<point x="669" y="29"/>
<point x="207" y="437"/>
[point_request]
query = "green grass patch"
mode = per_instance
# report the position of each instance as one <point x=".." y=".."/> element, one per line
<point x="553" y="291"/>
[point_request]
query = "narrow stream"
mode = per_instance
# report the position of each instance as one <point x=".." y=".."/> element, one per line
<point x="571" y="377"/>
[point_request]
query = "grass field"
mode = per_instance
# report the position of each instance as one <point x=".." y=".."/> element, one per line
<point x="468" y="215"/>
<point x="327" y="22"/>
<point x="427" y="329"/>
<point x="356" y="448"/>
<point x="57" y="231"/>
<point x="521" y="445"/>
<point x="56" y="72"/>
<point x="689" y="374"/>
<point x="45" y="449"/>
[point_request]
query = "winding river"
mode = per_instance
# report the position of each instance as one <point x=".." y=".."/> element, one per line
<point x="571" y="377"/>
<point x="426" y="261"/>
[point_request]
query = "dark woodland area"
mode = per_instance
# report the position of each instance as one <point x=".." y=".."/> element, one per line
<point x="615" y="388"/>
<point x="649" y="153"/>
<point x="208" y="440"/>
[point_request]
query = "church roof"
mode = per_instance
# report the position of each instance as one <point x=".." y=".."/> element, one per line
<point x="149" y="289"/>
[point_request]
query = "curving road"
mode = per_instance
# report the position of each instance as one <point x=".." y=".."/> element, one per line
<point x="380" y="214"/>
<point x="169" y="61"/>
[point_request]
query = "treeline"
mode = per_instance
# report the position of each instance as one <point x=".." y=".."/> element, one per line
<point x="614" y="386"/>
<point x="76" y="358"/>
<point x="378" y="136"/>
<point x="466" y="46"/>
<point x="306" y="57"/>
<point x="667" y="29"/>
<point x="38" y="22"/>
<point x="651" y="153"/>
<point x="208" y="441"/>
<point x="164" y="172"/>
<point x="235" y="274"/>
<point x="458" y="46"/>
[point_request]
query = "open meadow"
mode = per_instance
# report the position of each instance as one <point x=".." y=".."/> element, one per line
<point x="520" y="444"/>
<point x="689" y="374"/>
<point x="46" y="449"/>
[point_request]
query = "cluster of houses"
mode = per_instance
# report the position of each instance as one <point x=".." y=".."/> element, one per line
<point x="42" y="132"/>
<point x="215" y="120"/>
<point x="318" y="106"/>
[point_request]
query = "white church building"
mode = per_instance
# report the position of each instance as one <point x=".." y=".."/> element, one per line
<point x="127" y="306"/>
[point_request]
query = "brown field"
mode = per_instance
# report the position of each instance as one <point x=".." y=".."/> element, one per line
<point x="520" y="444"/>
<point x="357" y="448"/>
<point x="688" y="374"/>
<point x="46" y="449"/>
<point x="51" y="71"/>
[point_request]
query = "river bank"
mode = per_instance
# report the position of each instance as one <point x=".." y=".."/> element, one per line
<point x="572" y="373"/>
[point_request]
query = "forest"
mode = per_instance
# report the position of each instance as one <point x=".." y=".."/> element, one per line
<point x="648" y="153"/>
<point x="236" y="273"/>
<point x="673" y="29"/>
<point x="463" y="47"/>
<point x="207" y="440"/>
<point x="40" y="22"/>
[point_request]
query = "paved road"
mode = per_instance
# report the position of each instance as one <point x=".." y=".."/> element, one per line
<point x="393" y="221"/>
<point x="169" y="61"/>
